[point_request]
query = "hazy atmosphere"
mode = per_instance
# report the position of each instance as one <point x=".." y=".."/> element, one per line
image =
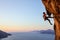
<point x="22" y="15"/>
<point x="24" y="20"/>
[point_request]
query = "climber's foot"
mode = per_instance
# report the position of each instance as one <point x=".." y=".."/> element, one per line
<point x="51" y="23"/>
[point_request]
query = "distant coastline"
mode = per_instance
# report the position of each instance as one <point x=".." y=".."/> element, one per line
<point x="49" y="31"/>
<point x="4" y="34"/>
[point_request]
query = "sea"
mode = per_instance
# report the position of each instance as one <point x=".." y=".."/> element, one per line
<point x="29" y="36"/>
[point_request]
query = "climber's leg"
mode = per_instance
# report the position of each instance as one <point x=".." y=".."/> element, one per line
<point x="49" y="21"/>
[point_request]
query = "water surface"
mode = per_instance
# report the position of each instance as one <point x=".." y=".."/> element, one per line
<point x="29" y="36"/>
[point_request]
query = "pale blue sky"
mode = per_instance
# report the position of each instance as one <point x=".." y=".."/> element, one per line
<point x="22" y="13"/>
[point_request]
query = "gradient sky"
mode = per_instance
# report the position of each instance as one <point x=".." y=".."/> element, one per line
<point x="22" y="15"/>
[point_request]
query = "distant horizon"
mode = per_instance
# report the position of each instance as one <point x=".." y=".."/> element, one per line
<point x="26" y="31"/>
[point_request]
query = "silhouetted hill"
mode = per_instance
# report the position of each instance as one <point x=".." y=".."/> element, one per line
<point x="49" y="31"/>
<point x="4" y="34"/>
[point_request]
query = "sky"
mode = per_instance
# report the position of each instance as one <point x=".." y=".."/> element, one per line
<point x="22" y="15"/>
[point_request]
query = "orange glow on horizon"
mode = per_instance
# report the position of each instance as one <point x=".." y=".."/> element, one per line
<point x="20" y="29"/>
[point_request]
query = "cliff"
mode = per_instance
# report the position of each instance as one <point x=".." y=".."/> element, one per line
<point x="4" y="34"/>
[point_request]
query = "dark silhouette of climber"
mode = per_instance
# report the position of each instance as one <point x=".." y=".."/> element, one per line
<point x="46" y="18"/>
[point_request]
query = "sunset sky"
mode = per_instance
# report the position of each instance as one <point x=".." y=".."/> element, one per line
<point x="22" y="15"/>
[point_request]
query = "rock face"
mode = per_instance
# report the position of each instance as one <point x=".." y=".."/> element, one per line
<point x="4" y="34"/>
<point x="53" y="7"/>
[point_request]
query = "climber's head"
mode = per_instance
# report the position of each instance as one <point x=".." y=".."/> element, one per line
<point x="43" y="12"/>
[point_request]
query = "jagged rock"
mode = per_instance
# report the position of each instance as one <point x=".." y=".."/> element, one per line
<point x="53" y="6"/>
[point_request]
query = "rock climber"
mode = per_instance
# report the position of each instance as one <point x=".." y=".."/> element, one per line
<point x="46" y="18"/>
